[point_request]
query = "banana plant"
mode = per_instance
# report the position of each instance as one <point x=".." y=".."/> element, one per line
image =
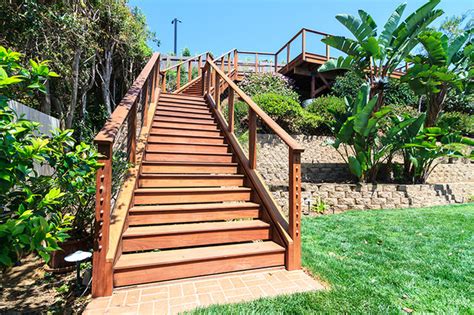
<point x="445" y="65"/>
<point x="375" y="56"/>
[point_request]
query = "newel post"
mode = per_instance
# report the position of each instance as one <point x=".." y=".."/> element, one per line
<point x="178" y="77"/>
<point x="230" y="122"/>
<point x="252" y="138"/>
<point x="294" y="189"/>
<point x="101" y="270"/>
<point x="236" y="62"/>
<point x="303" y="43"/>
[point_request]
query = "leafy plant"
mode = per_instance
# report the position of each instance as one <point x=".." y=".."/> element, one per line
<point x="457" y="122"/>
<point x="319" y="206"/>
<point x="37" y="211"/>
<point x="374" y="57"/>
<point x="258" y="83"/>
<point x="324" y="105"/>
<point x="446" y="65"/>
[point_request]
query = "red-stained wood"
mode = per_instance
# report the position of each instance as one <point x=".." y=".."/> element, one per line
<point x="230" y="122"/>
<point x="294" y="188"/>
<point x="178" y="77"/>
<point x="252" y="139"/>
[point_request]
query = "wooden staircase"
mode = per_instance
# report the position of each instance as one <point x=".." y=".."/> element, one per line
<point x="193" y="203"/>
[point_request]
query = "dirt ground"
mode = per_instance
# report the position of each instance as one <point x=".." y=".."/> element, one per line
<point x="29" y="289"/>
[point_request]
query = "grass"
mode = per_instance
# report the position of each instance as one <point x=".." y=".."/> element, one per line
<point x="386" y="261"/>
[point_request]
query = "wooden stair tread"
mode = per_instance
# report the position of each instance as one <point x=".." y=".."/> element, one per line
<point x="190" y="163"/>
<point x="186" y="190"/>
<point x="159" y="176"/>
<point x="171" y="95"/>
<point x="194" y="227"/>
<point x="194" y="207"/>
<point x="158" y="133"/>
<point x="179" y="256"/>
<point x="192" y="144"/>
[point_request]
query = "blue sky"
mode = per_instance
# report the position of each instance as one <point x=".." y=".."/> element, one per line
<point x="263" y="25"/>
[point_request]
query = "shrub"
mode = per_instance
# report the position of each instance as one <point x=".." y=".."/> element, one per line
<point x="457" y="121"/>
<point x="283" y="109"/>
<point x="395" y="92"/>
<point x="260" y="83"/>
<point x="324" y="106"/>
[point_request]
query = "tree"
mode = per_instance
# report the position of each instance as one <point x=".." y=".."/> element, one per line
<point x="374" y="57"/>
<point x="445" y="65"/>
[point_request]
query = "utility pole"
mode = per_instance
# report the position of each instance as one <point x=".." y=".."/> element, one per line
<point x="175" y="22"/>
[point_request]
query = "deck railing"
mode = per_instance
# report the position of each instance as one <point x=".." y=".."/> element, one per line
<point x="289" y="232"/>
<point x="196" y="61"/>
<point x="119" y="134"/>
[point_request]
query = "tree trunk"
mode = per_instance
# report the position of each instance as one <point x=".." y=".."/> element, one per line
<point x="75" y="86"/>
<point x="106" y="75"/>
<point x="46" y="100"/>
<point x="435" y="106"/>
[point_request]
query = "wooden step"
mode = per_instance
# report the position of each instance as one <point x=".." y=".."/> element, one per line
<point x="182" y="98"/>
<point x="146" y="196"/>
<point x="188" y="168"/>
<point x="190" y="262"/>
<point x="182" y="103"/>
<point x="182" y="106"/>
<point x="161" y="156"/>
<point x="194" y="234"/>
<point x="189" y="110"/>
<point x="194" y="121"/>
<point x="180" y="125"/>
<point x="189" y="180"/>
<point x="144" y="215"/>
<point x="179" y="96"/>
<point x="172" y="113"/>
<point x="181" y="138"/>
<point x="184" y="132"/>
<point x="187" y="147"/>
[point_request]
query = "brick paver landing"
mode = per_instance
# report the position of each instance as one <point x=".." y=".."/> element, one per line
<point x="182" y="295"/>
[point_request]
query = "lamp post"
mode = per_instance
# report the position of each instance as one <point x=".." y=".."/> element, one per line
<point x="175" y="22"/>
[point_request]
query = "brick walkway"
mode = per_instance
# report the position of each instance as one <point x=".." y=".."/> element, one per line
<point x="182" y="295"/>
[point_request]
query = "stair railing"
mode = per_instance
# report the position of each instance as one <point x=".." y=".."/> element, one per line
<point x="197" y="60"/>
<point x="119" y="135"/>
<point x="259" y="61"/>
<point x="289" y="232"/>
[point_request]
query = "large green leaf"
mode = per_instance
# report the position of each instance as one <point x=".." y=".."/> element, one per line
<point x="435" y="45"/>
<point x="340" y="63"/>
<point x="344" y="44"/>
<point x="360" y="29"/>
<point x="386" y="36"/>
<point x="371" y="46"/>
<point x="355" y="167"/>
<point x="456" y="45"/>
<point x="369" y="21"/>
<point x="361" y="120"/>
<point x="416" y="22"/>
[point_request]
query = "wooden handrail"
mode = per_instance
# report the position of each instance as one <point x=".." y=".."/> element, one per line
<point x="193" y="58"/>
<point x="125" y="115"/>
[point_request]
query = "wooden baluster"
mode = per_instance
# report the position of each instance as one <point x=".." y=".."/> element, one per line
<point x="178" y="77"/>
<point x="252" y="139"/>
<point x="163" y="83"/>
<point x="236" y="62"/>
<point x="217" y="94"/>
<point x="132" y="120"/>
<point x="294" y="186"/>
<point x="213" y="78"/>
<point x="222" y="63"/>
<point x="208" y="81"/>
<point x="102" y="271"/>
<point x="228" y="63"/>
<point x="276" y="63"/>
<point x="303" y="43"/>
<point x="190" y="71"/>
<point x="145" y="104"/>
<point x="200" y="65"/>
<point x="256" y="62"/>
<point x="203" y="79"/>
<point x="288" y="53"/>
<point x="327" y="51"/>
<point x="153" y="82"/>
<point x="230" y="122"/>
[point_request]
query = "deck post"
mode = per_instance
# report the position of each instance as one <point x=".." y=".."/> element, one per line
<point x="303" y="43"/>
<point x="287" y="54"/>
<point x="190" y="70"/>
<point x="200" y="65"/>
<point x="294" y="189"/>
<point x="229" y="65"/>
<point x="178" y="77"/>
<point x="252" y="139"/>
<point x="101" y="270"/>
<point x="256" y="62"/>
<point x="236" y="62"/>
<point x="276" y="62"/>
<point x="217" y="94"/>
<point x="163" y="83"/>
<point x="327" y="51"/>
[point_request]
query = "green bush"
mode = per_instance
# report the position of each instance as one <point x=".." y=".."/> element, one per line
<point x="261" y="83"/>
<point x="457" y="121"/>
<point x="324" y="106"/>
<point x="395" y="92"/>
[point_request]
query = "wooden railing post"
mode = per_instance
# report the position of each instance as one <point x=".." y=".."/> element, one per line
<point x="327" y="51"/>
<point x="163" y="83"/>
<point x="256" y="62"/>
<point x="276" y="62"/>
<point x="200" y="65"/>
<point x="236" y="62"/>
<point x="101" y="270"/>
<point x="190" y="71"/>
<point x="303" y="43"/>
<point x="132" y="129"/>
<point x="231" y="110"/>
<point x="222" y="63"/>
<point x="229" y="65"/>
<point x="208" y="80"/>
<point x="217" y="96"/>
<point x="252" y="139"/>
<point x="178" y="77"/>
<point x="287" y="53"/>
<point x="294" y="188"/>
<point x="203" y="78"/>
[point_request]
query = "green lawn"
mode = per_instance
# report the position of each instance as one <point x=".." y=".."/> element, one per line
<point x="383" y="262"/>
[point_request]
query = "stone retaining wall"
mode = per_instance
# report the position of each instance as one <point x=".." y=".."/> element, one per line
<point x="325" y="176"/>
